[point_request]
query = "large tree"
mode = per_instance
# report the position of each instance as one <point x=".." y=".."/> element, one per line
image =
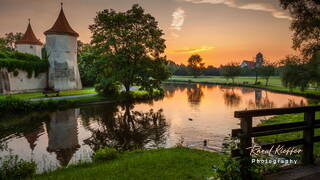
<point x="305" y="24"/>
<point x="128" y="46"/>
<point x="7" y="43"/>
<point x="196" y="64"/>
<point x="267" y="70"/>
<point x="295" y="73"/>
<point x="230" y="71"/>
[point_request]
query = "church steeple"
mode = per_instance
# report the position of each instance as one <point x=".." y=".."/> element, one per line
<point x="29" y="37"/>
<point x="62" y="26"/>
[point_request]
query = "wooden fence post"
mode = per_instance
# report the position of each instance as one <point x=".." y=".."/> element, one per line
<point x="308" y="134"/>
<point x="245" y="142"/>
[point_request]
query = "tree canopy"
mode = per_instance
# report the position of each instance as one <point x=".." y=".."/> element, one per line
<point x="128" y="48"/>
<point x="231" y="70"/>
<point x="7" y="42"/>
<point x="305" y="24"/>
<point x="196" y="64"/>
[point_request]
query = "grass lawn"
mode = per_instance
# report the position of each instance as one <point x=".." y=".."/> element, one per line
<point x="166" y="164"/>
<point x="273" y="81"/>
<point x="288" y="118"/>
<point x="88" y="90"/>
<point x="274" y="84"/>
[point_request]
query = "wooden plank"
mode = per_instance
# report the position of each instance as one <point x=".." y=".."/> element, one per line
<point x="245" y="142"/>
<point x="275" y="111"/>
<point x="275" y="129"/>
<point x="278" y="131"/>
<point x="308" y="135"/>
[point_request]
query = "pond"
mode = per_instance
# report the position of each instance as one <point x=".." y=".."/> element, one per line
<point x="188" y="114"/>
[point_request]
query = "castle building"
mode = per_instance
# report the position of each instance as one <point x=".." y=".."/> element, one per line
<point x="61" y="46"/>
<point x="252" y="64"/>
<point x="61" y="49"/>
<point x="29" y="43"/>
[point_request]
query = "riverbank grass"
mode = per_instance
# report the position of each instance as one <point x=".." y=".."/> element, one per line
<point x="172" y="163"/>
<point x="87" y="90"/>
<point x="274" y="84"/>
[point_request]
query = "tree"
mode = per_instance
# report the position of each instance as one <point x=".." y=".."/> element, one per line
<point x="182" y="70"/>
<point x="211" y="71"/>
<point x="313" y="67"/>
<point x="230" y="71"/>
<point x="86" y="60"/>
<point x="305" y="24"/>
<point x="196" y="65"/>
<point x="7" y="43"/>
<point x="128" y="46"/>
<point x="267" y="70"/>
<point x="295" y="73"/>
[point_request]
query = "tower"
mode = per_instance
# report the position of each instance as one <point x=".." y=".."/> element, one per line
<point x="61" y="47"/>
<point x="29" y="43"/>
<point x="259" y="59"/>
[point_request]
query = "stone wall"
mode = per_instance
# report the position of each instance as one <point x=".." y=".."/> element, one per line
<point x="10" y="84"/>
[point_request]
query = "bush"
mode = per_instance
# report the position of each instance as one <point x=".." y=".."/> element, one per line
<point x="105" y="154"/>
<point x="14" y="168"/>
<point x="106" y="88"/>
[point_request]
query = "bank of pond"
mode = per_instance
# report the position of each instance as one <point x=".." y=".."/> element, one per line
<point x="187" y="115"/>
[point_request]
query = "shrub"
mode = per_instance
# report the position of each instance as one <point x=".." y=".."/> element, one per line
<point x="13" y="61"/>
<point x="105" y="154"/>
<point x="106" y="88"/>
<point x="14" y="168"/>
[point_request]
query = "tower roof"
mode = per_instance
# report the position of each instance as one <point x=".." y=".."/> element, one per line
<point x="29" y="37"/>
<point x="62" y="26"/>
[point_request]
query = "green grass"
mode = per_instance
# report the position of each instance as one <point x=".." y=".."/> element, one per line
<point x="288" y="118"/>
<point x="20" y="102"/>
<point x="174" y="163"/>
<point x="88" y="90"/>
<point x="273" y="81"/>
<point x="274" y="84"/>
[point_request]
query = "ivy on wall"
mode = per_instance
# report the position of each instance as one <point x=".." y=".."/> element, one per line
<point x="31" y="64"/>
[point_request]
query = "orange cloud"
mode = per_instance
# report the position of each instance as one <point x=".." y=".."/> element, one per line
<point x="191" y="50"/>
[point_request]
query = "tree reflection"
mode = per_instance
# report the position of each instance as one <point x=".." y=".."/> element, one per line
<point x="29" y="126"/>
<point x="195" y="94"/>
<point x="126" y="129"/>
<point x="261" y="102"/>
<point x="231" y="98"/>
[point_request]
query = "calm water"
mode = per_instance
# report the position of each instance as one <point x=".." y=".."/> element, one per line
<point x="188" y="114"/>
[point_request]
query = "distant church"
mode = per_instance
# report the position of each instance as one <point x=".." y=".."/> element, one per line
<point x="61" y="47"/>
<point x="252" y="64"/>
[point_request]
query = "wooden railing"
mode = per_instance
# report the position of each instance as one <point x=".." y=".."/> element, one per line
<point x="246" y="132"/>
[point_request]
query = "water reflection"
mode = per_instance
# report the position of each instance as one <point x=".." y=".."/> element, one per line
<point x="231" y="98"/>
<point x="261" y="102"/>
<point x="126" y="129"/>
<point x="63" y="135"/>
<point x="192" y="112"/>
<point x="195" y="94"/>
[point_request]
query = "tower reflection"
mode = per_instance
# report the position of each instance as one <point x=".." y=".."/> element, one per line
<point x="63" y="135"/>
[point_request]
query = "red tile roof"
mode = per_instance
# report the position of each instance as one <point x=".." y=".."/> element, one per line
<point x="249" y="64"/>
<point x="29" y="37"/>
<point x="61" y="26"/>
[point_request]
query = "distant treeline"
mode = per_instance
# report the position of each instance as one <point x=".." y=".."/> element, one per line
<point x="184" y="70"/>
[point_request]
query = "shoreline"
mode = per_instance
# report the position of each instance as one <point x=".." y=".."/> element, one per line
<point x="262" y="87"/>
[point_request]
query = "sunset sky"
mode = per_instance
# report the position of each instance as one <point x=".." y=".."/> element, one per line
<point x="220" y="31"/>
